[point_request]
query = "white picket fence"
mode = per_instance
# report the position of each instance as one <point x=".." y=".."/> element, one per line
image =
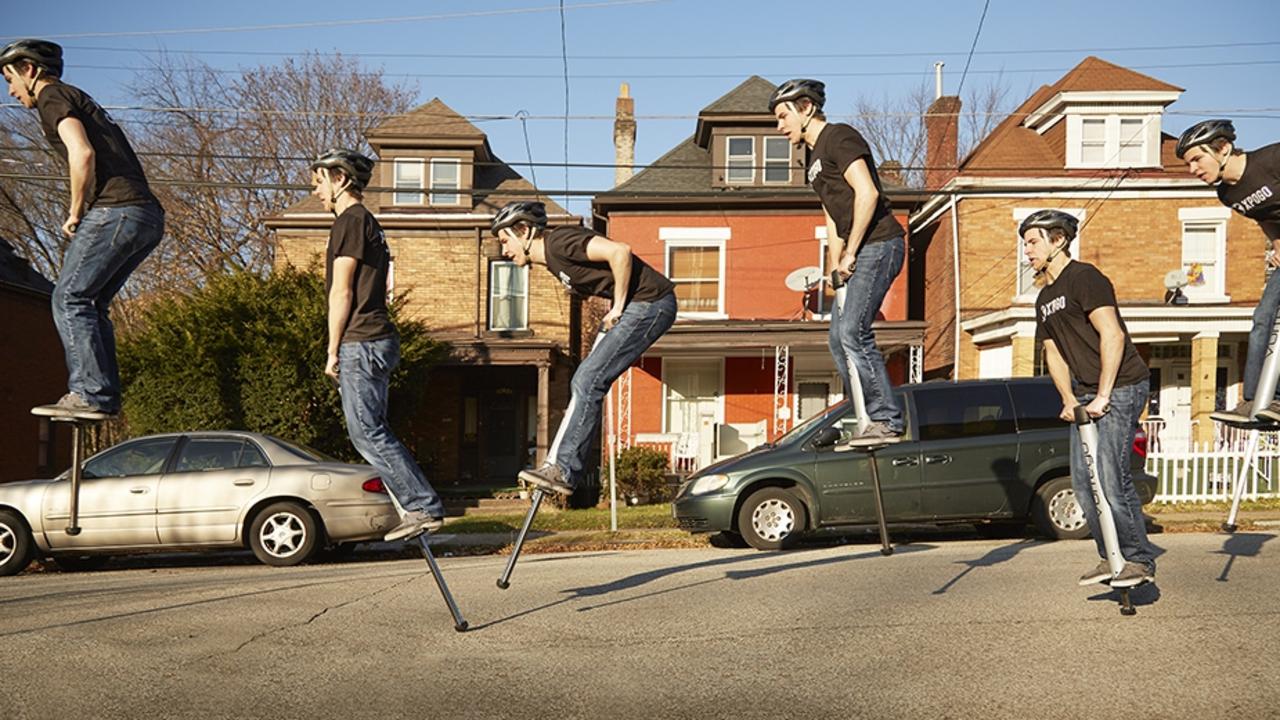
<point x="1207" y="472"/>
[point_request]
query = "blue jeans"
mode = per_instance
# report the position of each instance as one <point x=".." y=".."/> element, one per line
<point x="1264" y="317"/>
<point x="640" y="326"/>
<point x="109" y="244"/>
<point x="364" y="374"/>
<point x="1113" y="460"/>
<point x="851" y="340"/>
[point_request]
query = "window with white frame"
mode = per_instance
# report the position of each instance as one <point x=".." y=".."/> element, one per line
<point x="508" y="296"/>
<point x="777" y="160"/>
<point x="1204" y="250"/>
<point x="445" y="175"/>
<point x="407" y="176"/>
<point x="695" y="264"/>
<point x="1113" y="141"/>
<point x="1027" y="290"/>
<point x="740" y="157"/>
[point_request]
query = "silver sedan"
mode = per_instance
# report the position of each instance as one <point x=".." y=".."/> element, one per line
<point x="195" y="491"/>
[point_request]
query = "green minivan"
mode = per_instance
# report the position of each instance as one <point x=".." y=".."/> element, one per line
<point x="988" y="452"/>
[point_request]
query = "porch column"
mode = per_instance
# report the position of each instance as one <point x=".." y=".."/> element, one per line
<point x="1204" y="379"/>
<point x="1024" y="356"/>
<point x="544" y="412"/>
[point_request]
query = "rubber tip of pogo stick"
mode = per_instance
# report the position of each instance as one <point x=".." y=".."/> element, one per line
<point x="886" y="551"/>
<point x="73" y="531"/>
<point x="1230" y="527"/>
<point x="461" y="627"/>
<point x="1128" y="611"/>
<point x="503" y="584"/>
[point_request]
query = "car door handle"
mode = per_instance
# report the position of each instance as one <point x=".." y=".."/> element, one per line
<point x="937" y="459"/>
<point x="139" y="490"/>
<point x="900" y="461"/>
<point x="243" y="482"/>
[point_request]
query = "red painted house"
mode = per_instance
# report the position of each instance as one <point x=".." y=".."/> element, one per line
<point x="728" y="216"/>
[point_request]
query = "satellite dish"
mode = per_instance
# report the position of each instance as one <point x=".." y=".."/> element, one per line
<point x="1175" y="279"/>
<point x="799" y="280"/>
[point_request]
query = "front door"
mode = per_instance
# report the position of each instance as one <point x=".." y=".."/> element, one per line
<point x="212" y="480"/>
<point x="500" y="416"/>
<point x="693" y="399"/>
<point x="844" y="483"/>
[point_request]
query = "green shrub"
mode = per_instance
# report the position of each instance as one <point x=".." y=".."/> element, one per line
<point x="642" y="473"/>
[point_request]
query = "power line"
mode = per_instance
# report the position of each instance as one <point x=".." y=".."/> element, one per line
<point x="710" y="76"/>
<point x="345" y="23"/>
<point x="697" y="56"/>
<point x="974" y="46"/>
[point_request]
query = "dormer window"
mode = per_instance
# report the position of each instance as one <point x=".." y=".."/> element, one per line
<point x="777" y="160"/>
<point x="445" y="175"/>
<point x="740" y="153"/>
<point x="408" y="176"/>
<point x="1113" y="141"/>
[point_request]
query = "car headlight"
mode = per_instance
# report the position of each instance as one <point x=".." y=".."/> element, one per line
<point x="708" y="484"/>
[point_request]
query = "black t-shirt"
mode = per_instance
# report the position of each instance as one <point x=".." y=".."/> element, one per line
<point x="118" y="177"/>
<point x="566" y="250"/>
<point x="1256" y="195"/>
<point x="357" y="234"/>
<point x="1062" y="315"/>
<point x="837" y="147"/>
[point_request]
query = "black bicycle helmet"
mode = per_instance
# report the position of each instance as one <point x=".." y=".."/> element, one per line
<point x="793" y="90"/>
<point x="1050" y="219"/>
<point x="357" y="167"/>
<point x="1203" y="133"/>
<point x="530" y="211"/>
<point x="41" y="53"/>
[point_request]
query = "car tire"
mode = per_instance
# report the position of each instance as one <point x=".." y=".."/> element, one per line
<point x="16" y="544"/>
<point x="80" y="563"/>
<point x="1056" y="513"/>
<point x="772" y="519"/>
<point x="284" y="534"/>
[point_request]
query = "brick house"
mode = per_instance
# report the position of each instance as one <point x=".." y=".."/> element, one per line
<point x="36" y="375"/>
<point x="728" y="216"/>
<point x="514" y="334"/>
<point x="1097" y="143"/>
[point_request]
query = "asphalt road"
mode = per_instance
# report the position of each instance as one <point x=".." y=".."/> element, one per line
<point x="941" y="629"/>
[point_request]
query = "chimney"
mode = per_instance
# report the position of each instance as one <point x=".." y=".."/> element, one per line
<point x="624" y="136"/>
<point x="937" y="79"/>
<point x="941" y="131"/>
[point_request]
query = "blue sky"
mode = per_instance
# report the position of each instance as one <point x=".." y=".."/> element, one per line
<point x="679" y="55"/>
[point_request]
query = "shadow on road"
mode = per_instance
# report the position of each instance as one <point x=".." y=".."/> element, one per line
<point x="995" y="556"/>
<point x="1144" y="594"/>
<point x="1241" y="545"/>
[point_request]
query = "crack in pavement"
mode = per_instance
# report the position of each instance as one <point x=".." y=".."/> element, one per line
<point x="318" y="615"/>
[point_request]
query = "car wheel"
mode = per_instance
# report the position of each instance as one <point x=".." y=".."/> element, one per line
<point x="284" y="534"/>
<point x="772" y="519"/>
<point x="16" y="544"/>
<point x="80" y="563"/>
<point x="1056" y="512"/>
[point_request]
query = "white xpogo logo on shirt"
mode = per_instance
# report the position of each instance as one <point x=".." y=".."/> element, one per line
<point x="814" y="169"/>
<point x="565" y="279"/>
<point x="1052" y="307"/>
<point x="1254" y="199"/>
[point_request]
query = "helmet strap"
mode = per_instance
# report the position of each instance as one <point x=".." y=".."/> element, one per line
<point x="528" y="239"/>
<point x="336" y="192"/>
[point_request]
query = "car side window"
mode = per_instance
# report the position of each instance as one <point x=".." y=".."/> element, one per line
<point x="1037" y="405"/>
<point x="201" y="454"/>
<point x="139" y="457"/>
<point x="252" y="457"/>
<point x="949" y="413"/>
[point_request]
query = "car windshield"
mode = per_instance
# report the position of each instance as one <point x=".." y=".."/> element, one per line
<point x="303" y="452"/>
<point x="828" y="415"/>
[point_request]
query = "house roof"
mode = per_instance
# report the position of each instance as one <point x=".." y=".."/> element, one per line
<point x="751" y="96"/>
<point x="1013" y="149"/>
<point x="16" y="271"/>
<point x="433" y="119"/>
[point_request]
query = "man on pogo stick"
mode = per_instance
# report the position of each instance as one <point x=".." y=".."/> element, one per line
<point x="364" y="347"/>
<point x="1248" y="183"/>
<point x="644" y="307"/>
<point x="1093" y="363"/>
<point x="864" y="248"/>
<point x="113" y="222"/>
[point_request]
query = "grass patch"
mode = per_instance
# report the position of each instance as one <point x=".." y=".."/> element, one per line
<point x="643" y="517"/>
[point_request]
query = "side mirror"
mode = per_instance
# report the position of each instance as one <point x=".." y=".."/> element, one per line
<point x="827" y="437"/>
